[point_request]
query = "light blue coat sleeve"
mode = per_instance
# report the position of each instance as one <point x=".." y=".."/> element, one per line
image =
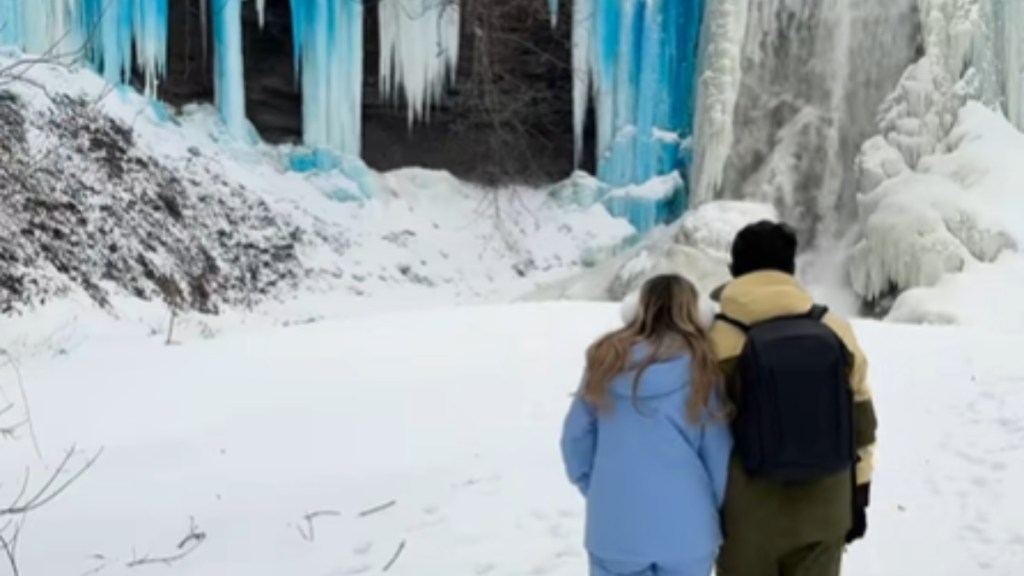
<point x="715" y="451"/>
<point x="579" y="439"/>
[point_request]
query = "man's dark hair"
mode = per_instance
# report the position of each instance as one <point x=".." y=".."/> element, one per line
<point x="764" y="245"/>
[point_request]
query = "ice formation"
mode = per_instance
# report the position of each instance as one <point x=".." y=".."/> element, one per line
<point x="419" y="51"/>
<point x="228" y="69"/>
<point x="638" y="60"/>
<point x="328" y="40"/>
<point x="718" y="86"/>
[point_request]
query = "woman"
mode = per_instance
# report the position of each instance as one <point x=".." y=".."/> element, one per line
<point x="647" y="440"/>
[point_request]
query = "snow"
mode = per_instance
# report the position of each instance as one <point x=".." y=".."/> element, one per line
<point x="248" y="434"/>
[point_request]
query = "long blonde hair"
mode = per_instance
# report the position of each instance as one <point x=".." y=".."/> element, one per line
<point x="667" y="320"/>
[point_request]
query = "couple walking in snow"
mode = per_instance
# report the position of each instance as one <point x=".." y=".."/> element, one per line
<point x="744" y="446"/>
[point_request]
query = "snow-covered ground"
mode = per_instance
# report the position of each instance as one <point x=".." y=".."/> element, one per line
<point x="449" y="419"/>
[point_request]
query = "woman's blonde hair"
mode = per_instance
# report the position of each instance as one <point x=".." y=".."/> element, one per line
<point x="668" y="321"/>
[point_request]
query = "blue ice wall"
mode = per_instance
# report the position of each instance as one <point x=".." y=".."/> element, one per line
<point x="642" y="60"/>
<point x="328" y="48"/>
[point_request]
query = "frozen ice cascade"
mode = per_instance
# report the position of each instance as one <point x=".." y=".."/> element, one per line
<point x="812" y="76"/>
<point x="669" y="81"/>
<point x="419" y="52"/>
<point x="637" y="61"/>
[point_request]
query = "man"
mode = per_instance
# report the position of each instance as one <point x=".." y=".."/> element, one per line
<point x="779" y="518"/>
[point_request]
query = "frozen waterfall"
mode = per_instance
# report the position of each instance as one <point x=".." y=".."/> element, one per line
<point x="813" y="75"/>
<point x="419" y="52"/>
<point x="637" y="60"/>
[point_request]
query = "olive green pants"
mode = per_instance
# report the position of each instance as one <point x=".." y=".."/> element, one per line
<point x="751" y="559"/>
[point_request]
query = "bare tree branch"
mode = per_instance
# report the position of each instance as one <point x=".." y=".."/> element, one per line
<point x="9" y="553"/>
<point x="51" y="489"/>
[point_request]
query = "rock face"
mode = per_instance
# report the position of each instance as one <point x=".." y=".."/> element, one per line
<point x="507" y="119"/>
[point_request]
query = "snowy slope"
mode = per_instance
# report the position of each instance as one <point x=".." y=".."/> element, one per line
<point x="346" y="232"/>
<point x="454" y="414"/>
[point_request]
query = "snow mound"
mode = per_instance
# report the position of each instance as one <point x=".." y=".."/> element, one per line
<point x="956" y="212"/>
<point x="919" y="227"/>
<point x="697" y="247"/>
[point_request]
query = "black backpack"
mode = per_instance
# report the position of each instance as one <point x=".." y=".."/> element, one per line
<point x="794" y="405"/>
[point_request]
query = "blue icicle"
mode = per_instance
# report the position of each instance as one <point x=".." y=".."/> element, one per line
<point x="228" y="70"/>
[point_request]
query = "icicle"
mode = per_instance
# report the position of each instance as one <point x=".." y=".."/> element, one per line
<point x="582" y="22"/>
<point x="419" y="51"/>
<point x="606" y="45"/>
<point x="328" y="38"/>
<point x="48" y="27"/>
<point x="10" y="23"/>
<point x="261" y="10"/>
<point x="151" y="24"/>
<point x="228" y="72"/>
<point x="204" y="24"/>
<point x="553" y="8"/>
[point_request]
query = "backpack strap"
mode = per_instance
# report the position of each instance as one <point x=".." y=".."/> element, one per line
<point x="817" y="312"/>
<point x="733" y="322"/>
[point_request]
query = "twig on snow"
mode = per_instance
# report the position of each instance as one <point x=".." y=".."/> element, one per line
<point x="394" y="557"/>
<point x="310" y="534"/>
<point x="377" y="509"/>
<point x="194" y="537"/>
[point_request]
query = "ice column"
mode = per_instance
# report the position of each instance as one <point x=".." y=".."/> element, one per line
<point x="328" y="47"/>
<point x="228" y="69"/>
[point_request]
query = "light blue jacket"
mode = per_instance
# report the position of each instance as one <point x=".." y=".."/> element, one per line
<point x="653" y="481"/>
